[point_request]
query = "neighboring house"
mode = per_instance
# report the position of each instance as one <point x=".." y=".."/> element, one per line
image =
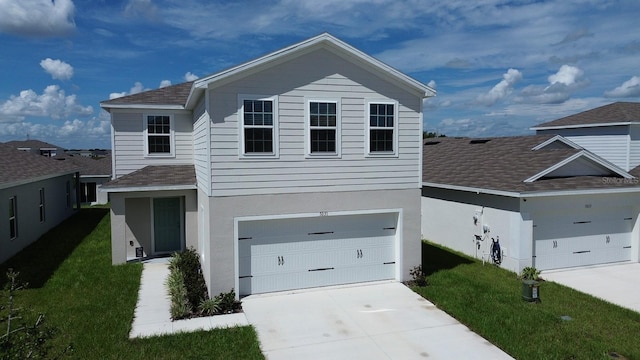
<point x="299" y="169"/>
<point x="36" y="147"/>
<point x="549" y="202"/>
<point x="94" y="171"/>
<point x="611" y="131"/>
<point x="37" y="193"/>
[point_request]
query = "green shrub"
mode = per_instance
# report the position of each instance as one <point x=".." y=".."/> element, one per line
<point x="209" y="307"/>
<point x="530" y="273"/>
<point x="189" y="265"/>
<point x="228" y="302"/>
<point x="180" y="307"/>
<point x="418" y="277"/>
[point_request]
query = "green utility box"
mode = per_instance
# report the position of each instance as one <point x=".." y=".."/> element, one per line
<point x="530" y="290"/>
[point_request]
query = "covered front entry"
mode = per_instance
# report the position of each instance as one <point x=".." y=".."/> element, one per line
<point x="293" y="253"/>
<point x="581" y="238"/>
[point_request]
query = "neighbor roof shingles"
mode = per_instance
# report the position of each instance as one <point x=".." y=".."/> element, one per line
<point x="502" y="164"/>
<point x="21" y="166"/>
<point x="169" y="95"/>
<point x="156" y="176"/>
<point x="618" y="112"/>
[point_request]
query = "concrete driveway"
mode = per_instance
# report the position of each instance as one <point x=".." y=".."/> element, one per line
<point x="615" y="283"/>
<point x="381" y="320"/>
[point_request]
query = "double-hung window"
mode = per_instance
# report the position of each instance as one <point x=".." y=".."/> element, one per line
<point x="41" y="205"/>
<point x="13" y="217"/>
<point x="382" y="130"/>
<point x="323" y="128"/>
<point x="258" y="117"/>
<point x="159" y="135"/>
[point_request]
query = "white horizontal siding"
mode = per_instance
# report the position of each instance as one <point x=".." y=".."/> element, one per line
<point x="129" y="141"/>
<point x="201" y="152"/>
<point x="315" y="76"/>
<point x="634" y="146"/>
<point x="613" y="148"/>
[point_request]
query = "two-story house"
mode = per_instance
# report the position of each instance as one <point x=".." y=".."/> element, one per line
<point x="301" y="168"/>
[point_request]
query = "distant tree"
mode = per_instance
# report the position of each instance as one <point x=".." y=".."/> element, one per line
<point x="429" y="134"/>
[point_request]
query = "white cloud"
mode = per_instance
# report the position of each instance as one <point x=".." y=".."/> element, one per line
<point x="189" y="76"/>
<point x="57" y="69"/>
<point x="561" y="86"/>
<point x="37" y="17"/>
<point x="432" y="84"/>
<point x="141" y="8"/>
<point x="137" y="88"/>
<point x="165" y="83"/>
<point x="501" y="89"/>
<point x="76" y="133"/>
<point x="52" y="103"/>
<point x="629" y="88"/>
<point x="567" y="75"/>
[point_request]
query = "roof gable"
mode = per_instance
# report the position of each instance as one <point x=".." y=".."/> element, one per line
<point x="618" y="113"/>
<point x="582" y="163"/>
<point x="556" y="142"/>
<point x="186" y="95"/>
<point x="324" y="41"/>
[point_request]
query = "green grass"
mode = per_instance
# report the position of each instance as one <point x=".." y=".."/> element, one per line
<point x="91" y="302"/>
<point x="488" y="300"/>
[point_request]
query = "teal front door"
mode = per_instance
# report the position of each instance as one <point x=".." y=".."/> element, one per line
<point x="167" y="225"/>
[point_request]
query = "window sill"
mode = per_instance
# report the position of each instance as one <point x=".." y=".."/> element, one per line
<point x="323" y="156"/>
<point x="382" y="155"/>
<point x="258" y="156"/>
<point x="159" y="156"/>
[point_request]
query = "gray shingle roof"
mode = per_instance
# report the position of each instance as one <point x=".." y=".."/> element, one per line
<point x="91" y="166"/>
<point x="18" y="166"/>
<point x="170" y="95"/>
<point x="618" y="112"/>
<point x="156" y="176"/>
<point x="503" y="163"/>
<point x="32" y="144"/>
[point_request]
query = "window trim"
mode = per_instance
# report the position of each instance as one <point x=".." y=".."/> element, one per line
<point x="13" y="220"/>
<point x="171" y="135"/>
<point x="308" y="128"/>
<point x="368" y="128"/>
<point x="275" y="153"/>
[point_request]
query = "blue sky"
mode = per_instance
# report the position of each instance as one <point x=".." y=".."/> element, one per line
<point x="499" y="67"/>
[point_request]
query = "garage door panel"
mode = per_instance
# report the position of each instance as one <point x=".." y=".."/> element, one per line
<point x="587" y="238"/>
<point x="349" y="249"/>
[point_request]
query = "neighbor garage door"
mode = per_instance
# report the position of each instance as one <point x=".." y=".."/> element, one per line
<point x="582" y="238"/>
<point x="294" y="253"/>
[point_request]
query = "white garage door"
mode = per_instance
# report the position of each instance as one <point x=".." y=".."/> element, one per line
<point x="285" y="254"/>
<point x="582" y="238"/>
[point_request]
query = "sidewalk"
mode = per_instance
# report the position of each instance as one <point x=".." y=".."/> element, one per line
<point x="152" y="316"/>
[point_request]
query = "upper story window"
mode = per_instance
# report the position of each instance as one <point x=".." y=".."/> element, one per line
<point x="323" y="123"/>
<point x="13" y="217"/>
<point x="159" y="135"/>
<point x="41" y="205"/>
<point x="258" y="117"/>
<point x="382" y="129"/>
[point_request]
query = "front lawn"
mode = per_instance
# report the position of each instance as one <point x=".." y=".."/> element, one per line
<point x="488" y="300"/>
<point x="91" y="302"/>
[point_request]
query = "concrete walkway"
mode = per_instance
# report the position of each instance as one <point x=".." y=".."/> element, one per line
<point x="152" y="316"/>
<point x="615" y="283"/>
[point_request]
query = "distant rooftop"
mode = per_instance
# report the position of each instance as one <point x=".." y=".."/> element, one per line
<point x="615" y="113"/>
<point x="21" y="166"/>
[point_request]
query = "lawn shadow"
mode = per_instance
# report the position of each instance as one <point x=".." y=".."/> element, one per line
<point x="435" y="258"/>
<point x="38" y="261"/>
